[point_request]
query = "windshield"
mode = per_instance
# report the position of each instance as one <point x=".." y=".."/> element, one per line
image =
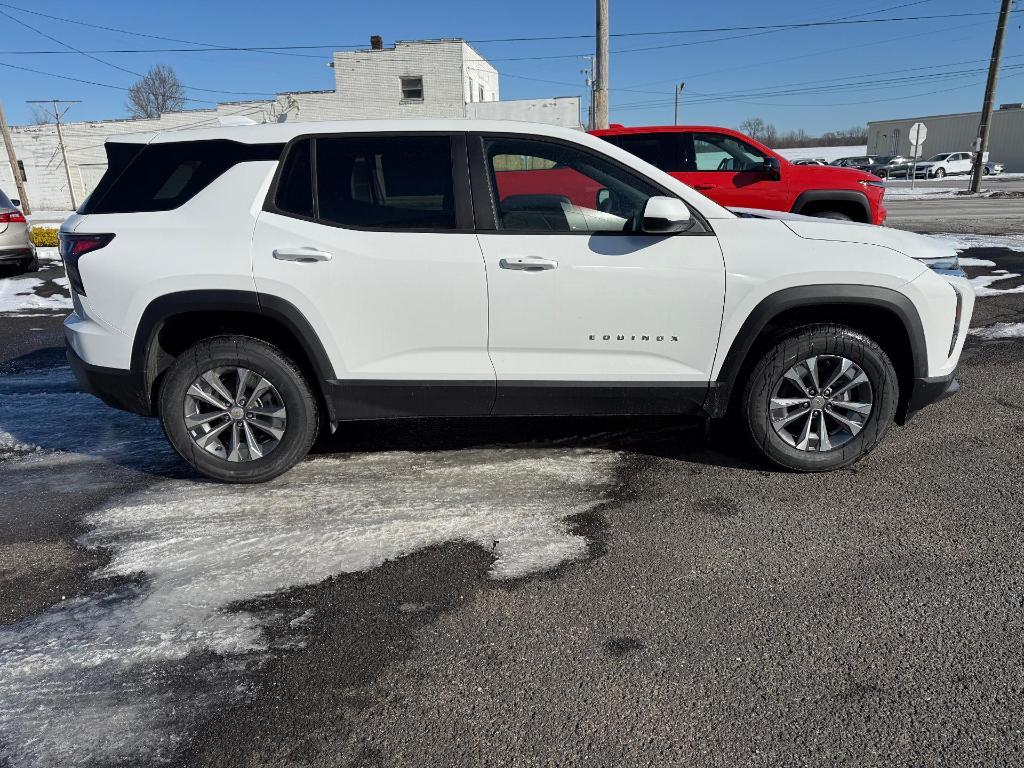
<point x="938" y="158"/>
<point x="885" y="159"/>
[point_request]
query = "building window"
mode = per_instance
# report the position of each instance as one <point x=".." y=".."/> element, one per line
<point x="412" y="89"/>
<point x="481" y="92"/>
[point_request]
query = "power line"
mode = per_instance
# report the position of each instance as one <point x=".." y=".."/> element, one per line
<point x="88" y="55"/>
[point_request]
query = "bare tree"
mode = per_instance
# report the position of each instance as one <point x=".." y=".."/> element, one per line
<point x="758" y="129"/>
<point x="157" y="92"/>
<point x="40" y="116"/>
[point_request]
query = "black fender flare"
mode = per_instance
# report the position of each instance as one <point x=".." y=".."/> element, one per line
<point x="833" y="195"/>
<point x="720" y="394"/>
<point x="168" y="306"/>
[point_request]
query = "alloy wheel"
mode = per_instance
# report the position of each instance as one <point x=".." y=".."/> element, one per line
<point x="234" y="414"/>
<point x="821" y="403"/>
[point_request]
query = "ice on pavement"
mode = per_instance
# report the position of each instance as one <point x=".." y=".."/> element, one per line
<point x="1000" y="331"/>
<point x="93" y="680"/>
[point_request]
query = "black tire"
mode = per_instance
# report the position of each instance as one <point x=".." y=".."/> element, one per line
<point x="32" y="264"/>
<point x="940" y="173"/>
<point x="261" y="358"/>
<point x="802" y="344"/>
<point x="985" y="171"/>
<point x="882" y="174"/>
<point x="837" y="215"/>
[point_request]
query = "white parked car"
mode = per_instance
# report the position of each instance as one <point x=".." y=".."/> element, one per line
<point x="993" y="168"/>
<point x="944" y="164"/>
<point x="252" y="285"/>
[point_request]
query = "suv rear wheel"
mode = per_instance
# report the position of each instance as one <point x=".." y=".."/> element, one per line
<point x="238" y="410"/>
<point x="820" y="399"/>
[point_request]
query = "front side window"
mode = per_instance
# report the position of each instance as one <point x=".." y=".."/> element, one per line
<point x="721" y="152"/>
<point x="541" y="186"/>
<point x="386" y="182"/>
<point x="412" y="89"/>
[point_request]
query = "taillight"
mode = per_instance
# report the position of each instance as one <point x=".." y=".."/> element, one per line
<point x="12" y="217"/>
<point x="72" y="248"/>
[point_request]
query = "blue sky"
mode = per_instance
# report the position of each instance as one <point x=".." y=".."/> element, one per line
<point x="816" y="78"/>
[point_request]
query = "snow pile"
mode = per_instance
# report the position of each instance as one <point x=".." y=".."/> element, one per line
<point x="999" y="331"/>
<point x="827" y="154"/>
<point x="96" y="680"/>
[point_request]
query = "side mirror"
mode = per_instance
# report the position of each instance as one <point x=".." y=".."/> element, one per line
<point x="16" y="201"/>
<point x="665" y="216"/>
<point x="772" y="167"/>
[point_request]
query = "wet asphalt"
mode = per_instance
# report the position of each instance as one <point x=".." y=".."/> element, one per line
<point x="726" y="615"/>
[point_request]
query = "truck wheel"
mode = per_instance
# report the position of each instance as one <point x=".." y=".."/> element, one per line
<point x="238" y="410"/>
<point x="833" y="215"/>
<point x="820" y="399"/>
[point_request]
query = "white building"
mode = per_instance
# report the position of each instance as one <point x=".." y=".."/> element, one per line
<point x="955" y="133"/>
<point x="422" y="78"/>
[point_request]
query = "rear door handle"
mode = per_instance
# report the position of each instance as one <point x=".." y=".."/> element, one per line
<point x="528" y="263"/>
<point x="301" y="254"/>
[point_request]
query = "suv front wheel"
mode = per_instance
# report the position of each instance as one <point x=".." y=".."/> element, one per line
<point x="238" y="410"/>
<point x="820" y="399"/>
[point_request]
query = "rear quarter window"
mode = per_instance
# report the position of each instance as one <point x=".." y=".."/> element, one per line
<point x="161" y="177"/>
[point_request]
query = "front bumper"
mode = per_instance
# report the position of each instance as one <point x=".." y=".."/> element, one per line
<point x="929" y="390"/>
<point x="116" y="387"/>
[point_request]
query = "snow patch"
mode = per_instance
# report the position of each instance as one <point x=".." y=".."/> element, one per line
<point x="120" y="677"/>
<point x="22" y="294"/>
<point x="982" y="284"/>
<point x="966" y="242"/>
<point x="999" y="331"/>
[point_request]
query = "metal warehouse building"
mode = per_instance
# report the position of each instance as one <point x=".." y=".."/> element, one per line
<point x="952" y="133"/>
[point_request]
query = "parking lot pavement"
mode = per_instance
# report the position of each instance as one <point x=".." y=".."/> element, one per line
<point x="513" y="592"/>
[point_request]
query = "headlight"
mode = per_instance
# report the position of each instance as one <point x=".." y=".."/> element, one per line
<point x="870" y="183"/>
<point x="944" y="265"/>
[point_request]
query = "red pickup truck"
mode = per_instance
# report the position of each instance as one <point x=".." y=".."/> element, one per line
<point x="737" y="172"/>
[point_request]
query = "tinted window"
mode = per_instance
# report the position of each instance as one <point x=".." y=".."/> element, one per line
<point x="386" y="182"/>
<point x="295" y="187"/>
<point x="542" y="186"/>
<point x="160" y="177"/>
<point x="5" y="202"/>
<point x="663" y="150"/>
<point x="721" y="152"/>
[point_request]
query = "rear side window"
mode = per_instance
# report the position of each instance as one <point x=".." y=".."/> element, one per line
<point x="385" y="182"/>
<point x="161" y="177"/>
<point x="667" y="150"/>
<point x="295" y="187"/>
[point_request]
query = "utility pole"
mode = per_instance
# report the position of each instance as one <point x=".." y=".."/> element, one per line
<point x="601" y="75"/>
<point x="58" y="113"/>
<point x="15" y="169"/>
<point x="679" y="92"/>
<point x="985" y="128"/>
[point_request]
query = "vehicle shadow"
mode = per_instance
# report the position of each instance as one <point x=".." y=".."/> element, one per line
<point x="41" y="407"/>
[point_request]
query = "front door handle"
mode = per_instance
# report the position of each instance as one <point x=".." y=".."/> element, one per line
<point x="301" y="254"/>
<point x="528" y="263"/>
<point x="704" y="186"/>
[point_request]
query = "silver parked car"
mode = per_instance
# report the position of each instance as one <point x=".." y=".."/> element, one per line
<point x="15" y="247"/>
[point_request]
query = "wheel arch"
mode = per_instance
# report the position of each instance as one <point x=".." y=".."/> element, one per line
<point x="851" y="202"/>
<point x="886" y="315"/>
<point x="173" y="322"/>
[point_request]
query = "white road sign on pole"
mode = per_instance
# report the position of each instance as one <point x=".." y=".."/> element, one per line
<point x="917" y="134"/>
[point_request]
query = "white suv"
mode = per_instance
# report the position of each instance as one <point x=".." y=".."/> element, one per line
<point x="251" y="285"/>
